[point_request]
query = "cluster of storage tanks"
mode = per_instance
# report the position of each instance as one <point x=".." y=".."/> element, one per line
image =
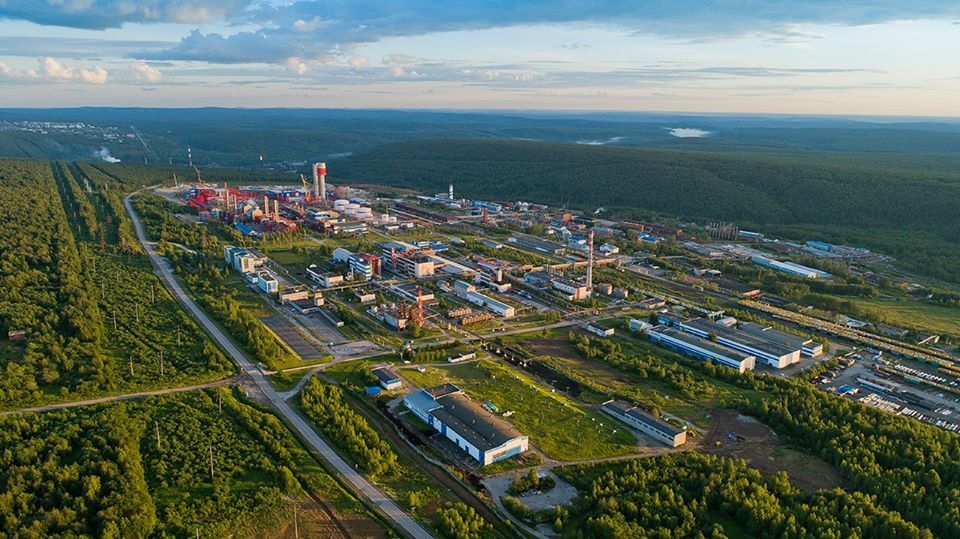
<point x="352" y="209"/>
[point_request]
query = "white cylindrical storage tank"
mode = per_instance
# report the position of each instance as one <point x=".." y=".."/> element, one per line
<point x="352" y="206"/>
<point x="340" y="204"/>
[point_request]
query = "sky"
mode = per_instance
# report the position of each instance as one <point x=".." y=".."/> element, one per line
<point x="877" y="57"/>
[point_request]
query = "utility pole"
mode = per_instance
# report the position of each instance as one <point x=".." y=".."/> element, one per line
<point x="211" y="464"/>
<point x="153" y="297"/>
<point x="161" y="362"/>
<point x="156" y="427"/>
<point x="137" y="308"/>
<point x="220" y="401"/>
<point x="296" y="527"/>
<point x="131" y="366"/>
<point x="178" y="335"/>
<point x="114" y="320"/>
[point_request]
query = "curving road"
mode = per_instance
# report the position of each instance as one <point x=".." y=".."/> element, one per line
<point x="389" y="509"/>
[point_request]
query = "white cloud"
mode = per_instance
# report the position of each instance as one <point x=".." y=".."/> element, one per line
<point x="296" y="65"/>
<point x="97" y="75"/>
<point x="51" y="70"/>
<point x="145" y="72"/>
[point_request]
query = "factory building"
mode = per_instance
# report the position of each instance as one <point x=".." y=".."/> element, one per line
<point x="807" y="346"/>
<point x="790" y="268"/>
<point x="571" y="289"/>
<point x="651" y="426"/>
<point x="498" y="307"/>
<point x="242" y="259"/>
<point x="359" y="264"/>
<point x="364" y="296"/>
<point x="395" y="318"/>
<point x="701" y="348"/>
<point x="323" y="278"/>
<point x="600" y="331"/>
<point x="533" y="244"/>
<point x="639" y="325"/>
<point x="480" y="434"/>
<point x="417" y="266"/>
<point x="267" y="283"/>
<point x="574" y="291"/>
<point x="491" y="276"/>
<point x="608" y="249"/>
<point x="768" y="351"/>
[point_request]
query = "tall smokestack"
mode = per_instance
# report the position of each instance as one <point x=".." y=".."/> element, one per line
<point x="316" y="181"/>
<point x="321" y="171"/>
<point x="276" y="210"/>
<point x="451" y="192"/>
<point x="590" y="261"/>
<point x="266" y="207"/>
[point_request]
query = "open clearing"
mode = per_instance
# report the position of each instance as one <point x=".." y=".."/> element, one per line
<point x="762" y="449"/>
<point x="556" y="425"/>
<point x="915" y="314"/>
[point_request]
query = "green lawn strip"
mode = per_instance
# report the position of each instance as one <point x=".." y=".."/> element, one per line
<point x="556" y="425"/>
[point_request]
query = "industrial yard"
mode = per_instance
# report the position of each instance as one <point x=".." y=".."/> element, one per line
<point x="498" y="337"/>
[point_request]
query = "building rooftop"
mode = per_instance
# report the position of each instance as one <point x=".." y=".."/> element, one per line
<point x="701" y="343"/>
<point x="625" y="409"/>
<point x="775" y="335"/>
<point x="762" y="344"/>
<point x="385" y="375"/>
<point x="482" y="429"/>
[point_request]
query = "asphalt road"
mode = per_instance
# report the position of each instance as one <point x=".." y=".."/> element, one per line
<point x="389" y="509"/>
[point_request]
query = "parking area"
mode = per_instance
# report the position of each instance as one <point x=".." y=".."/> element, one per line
<point x="292" y="338"/>
<point x="321" y="328"/>
<point x="867" y="382"/>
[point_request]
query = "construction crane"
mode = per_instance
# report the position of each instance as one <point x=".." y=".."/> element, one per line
<point x="306" y="194"/>
<point x="199" y="179"/>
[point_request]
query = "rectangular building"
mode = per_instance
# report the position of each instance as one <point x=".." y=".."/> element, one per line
<point x="790" y="268"/>
<point x="480" y="434"/>
<point x="807" y="346"/>
<point x="651" y="426"/>
<point x="701" y="348"/>
<point x="536" y="245"/>
<point x="600" y="331"/>
<point x="766" y="350"/>
<point x="499" y="307"/>
<point x="267" y="282"/>
<point x="388" y="379"/>
<point x="323" y="278"/>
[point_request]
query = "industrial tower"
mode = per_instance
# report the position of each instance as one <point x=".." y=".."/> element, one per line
<point x="590" y="262"/>
<point x="320" y="181"/>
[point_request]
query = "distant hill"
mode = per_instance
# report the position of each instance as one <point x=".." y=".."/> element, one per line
<point x="837" y="198"/>
<point x="286" y="137"/>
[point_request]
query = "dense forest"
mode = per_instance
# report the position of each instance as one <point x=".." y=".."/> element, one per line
<point x="694" y="495"/>
<point x="907" y="213"/>
<point x="74" y="279"/>
<point x="203" y="462"/>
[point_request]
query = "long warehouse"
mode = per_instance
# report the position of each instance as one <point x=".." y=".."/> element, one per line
<point x="482" y="435"/>
<point x="701" y="348"/>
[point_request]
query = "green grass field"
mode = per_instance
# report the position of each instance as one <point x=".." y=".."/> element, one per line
<point x="917" y="315"/>
<point x="558" y="426"/>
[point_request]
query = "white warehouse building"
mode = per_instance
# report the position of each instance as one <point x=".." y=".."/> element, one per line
<point x="482" y="435"/>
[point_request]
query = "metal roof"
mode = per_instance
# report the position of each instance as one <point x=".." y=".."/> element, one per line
<point x="623" y="409"/>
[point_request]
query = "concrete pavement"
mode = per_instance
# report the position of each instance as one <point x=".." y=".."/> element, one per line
<point x="389" y="509"/>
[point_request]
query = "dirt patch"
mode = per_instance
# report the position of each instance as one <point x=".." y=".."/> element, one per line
<point x="735" y="435"/>
<point x="314" y="520"/>
<point x="557" y="346"/>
